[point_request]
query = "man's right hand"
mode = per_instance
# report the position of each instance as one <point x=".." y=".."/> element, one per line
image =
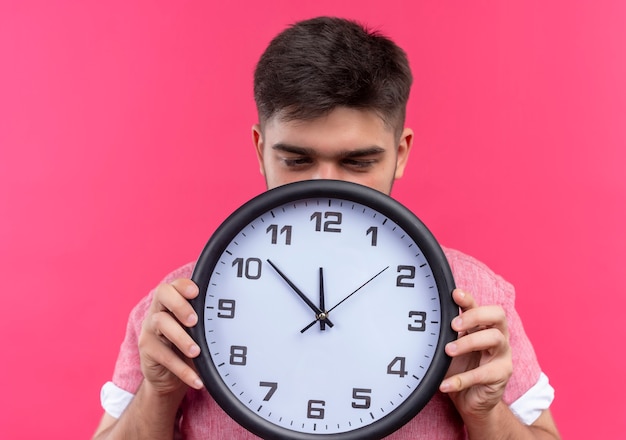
<point x="166" y="351"/>
<point x="165" y="348"/>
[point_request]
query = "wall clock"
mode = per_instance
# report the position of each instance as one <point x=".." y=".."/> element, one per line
<point x="324" y="310"/>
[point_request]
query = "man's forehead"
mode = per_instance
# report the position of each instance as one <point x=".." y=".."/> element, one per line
<point x="284" y="117"/>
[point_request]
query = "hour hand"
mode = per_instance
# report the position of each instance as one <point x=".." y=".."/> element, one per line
<point x="325" y="314"/>
<point x="322" y="302"/>
<point x="319" y="314"/>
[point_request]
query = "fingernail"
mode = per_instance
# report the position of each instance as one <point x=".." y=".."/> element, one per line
<point x="457" y="323"/>
<point x="192" y="319"/>
<point x="445" y="386"/>
<point x="452" y="347"/>
<point x="197" y="383"/>
<point x="194" y="350"/>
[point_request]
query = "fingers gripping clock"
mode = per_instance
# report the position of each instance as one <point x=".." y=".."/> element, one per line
<point x="325" y="307"/>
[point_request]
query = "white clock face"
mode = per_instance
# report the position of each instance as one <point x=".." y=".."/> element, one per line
<point x="322" y="373"/>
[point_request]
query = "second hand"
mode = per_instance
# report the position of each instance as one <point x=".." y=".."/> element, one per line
<point x="325" y="315"/>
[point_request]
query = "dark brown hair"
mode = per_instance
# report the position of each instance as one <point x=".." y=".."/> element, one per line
<point x="319" y="64"/>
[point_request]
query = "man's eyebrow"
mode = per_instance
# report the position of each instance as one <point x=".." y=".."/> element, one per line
<point x="304" y="151"/>
<point x="287" y="148"/>
<point x="362" y="152"/>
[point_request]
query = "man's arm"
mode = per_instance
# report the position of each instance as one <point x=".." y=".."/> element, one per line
<point x="165" y="350"/>
<point x="480" y="369"/>
<point x="502" y="424"/>
<point x="150" y="415"/>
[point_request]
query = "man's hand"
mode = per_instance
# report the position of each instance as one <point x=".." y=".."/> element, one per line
<point x="481" y="358"/>
<point x="165" y="348"/>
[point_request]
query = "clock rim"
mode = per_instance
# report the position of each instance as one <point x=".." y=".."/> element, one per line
<point x="336" y="189"/>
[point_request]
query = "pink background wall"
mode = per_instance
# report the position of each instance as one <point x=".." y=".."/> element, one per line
<point x="125" y="140"/>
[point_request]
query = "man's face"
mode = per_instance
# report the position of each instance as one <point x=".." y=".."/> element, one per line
<point x="347" y="144"/>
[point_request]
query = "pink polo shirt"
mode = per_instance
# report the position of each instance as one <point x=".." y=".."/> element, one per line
<point x="202" y="418"/>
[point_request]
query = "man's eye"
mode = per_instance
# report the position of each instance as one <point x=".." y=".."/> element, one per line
<point x="297" y="161"/>
<point x="359" y="164"/>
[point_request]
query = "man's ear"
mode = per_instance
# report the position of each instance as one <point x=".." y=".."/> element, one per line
<point x="257" y="140"/>
<point x="404" y="148"/>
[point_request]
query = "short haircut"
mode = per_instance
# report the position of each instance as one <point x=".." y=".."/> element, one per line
<point x="316" y="65"/>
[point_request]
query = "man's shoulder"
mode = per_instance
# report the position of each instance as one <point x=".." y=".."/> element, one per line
<point x="462" y="260"/>
<point x="141" y="308"/>
<point x="184" y="271"/>
<point x="474" y="276"/>
<point x="464" y="268"/>
<point x="469" y="274"/>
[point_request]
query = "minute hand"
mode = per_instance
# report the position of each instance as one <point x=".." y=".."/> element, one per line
<point x="342" y="301"/>
<point x="319" y="314"/>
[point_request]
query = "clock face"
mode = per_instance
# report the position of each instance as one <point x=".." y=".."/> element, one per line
<point x="325" y="307"/>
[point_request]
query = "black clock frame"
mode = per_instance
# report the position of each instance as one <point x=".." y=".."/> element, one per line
<point x="353" y="192"/>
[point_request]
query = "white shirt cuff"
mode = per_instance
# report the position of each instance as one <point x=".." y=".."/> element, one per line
<point x="534" y="401"/>
<point x="114" y="400"/>
<point x="527" y="408"/>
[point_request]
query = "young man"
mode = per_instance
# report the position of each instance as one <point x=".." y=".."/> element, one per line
<point x="331" y="98"/>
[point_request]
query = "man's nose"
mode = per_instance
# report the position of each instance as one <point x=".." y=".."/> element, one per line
<point x="327" y="171"/>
